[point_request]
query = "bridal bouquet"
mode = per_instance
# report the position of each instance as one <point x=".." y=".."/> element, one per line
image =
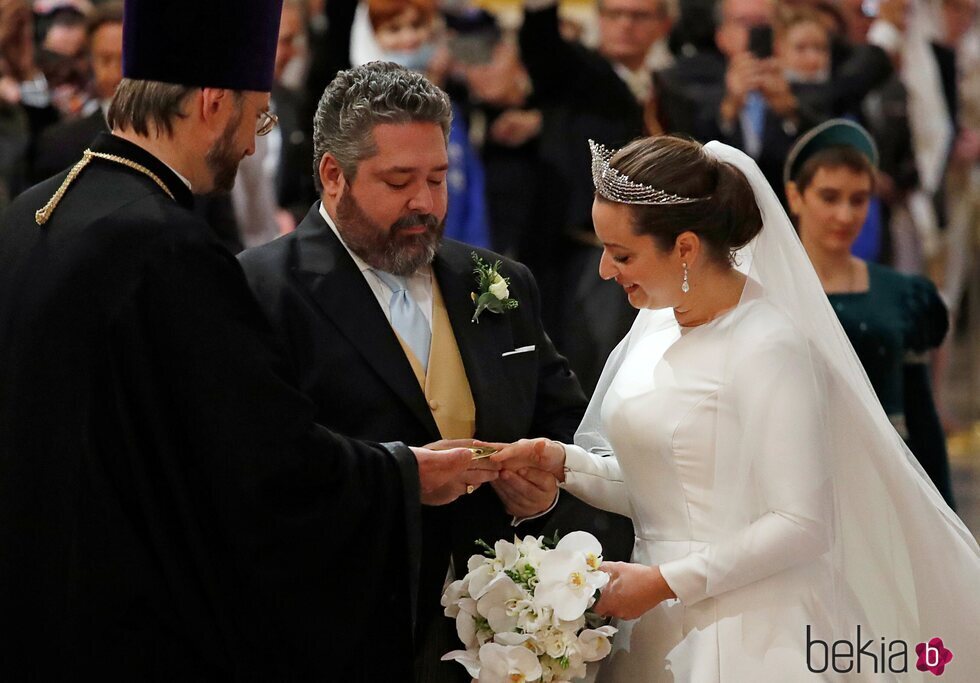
<point x="523" y="614"/>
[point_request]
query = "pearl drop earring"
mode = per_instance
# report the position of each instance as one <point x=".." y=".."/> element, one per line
<point x="685" y="285"/>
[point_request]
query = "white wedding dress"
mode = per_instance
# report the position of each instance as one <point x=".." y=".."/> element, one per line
<point x="660" y="414"/>
<point x="765" y="480"/>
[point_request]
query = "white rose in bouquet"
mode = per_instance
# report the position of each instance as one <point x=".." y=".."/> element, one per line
<point x="522" y="610"/>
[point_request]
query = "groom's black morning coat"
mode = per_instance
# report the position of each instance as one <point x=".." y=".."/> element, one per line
<point x="350" y="363"/>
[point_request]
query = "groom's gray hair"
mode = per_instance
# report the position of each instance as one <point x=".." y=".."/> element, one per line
<point x="358" y="99"/>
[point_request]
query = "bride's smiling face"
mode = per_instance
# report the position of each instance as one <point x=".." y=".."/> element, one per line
<point x="651" y="277"/>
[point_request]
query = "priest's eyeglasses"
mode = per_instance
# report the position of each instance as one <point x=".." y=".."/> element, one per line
<point x="267" y="121"/>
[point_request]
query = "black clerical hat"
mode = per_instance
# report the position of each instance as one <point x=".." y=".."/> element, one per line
<point x="207" y="43"/>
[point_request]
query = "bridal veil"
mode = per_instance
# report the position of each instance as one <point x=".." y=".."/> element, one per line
<point x="897" y="561"/>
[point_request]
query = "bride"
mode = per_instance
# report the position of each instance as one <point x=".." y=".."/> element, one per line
<point x="783" y="530"/>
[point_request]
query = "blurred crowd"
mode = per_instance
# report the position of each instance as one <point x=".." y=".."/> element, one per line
<point x="531" y="82"/>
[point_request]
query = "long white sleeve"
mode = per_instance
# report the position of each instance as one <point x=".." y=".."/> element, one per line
<point x="597" y="479"/>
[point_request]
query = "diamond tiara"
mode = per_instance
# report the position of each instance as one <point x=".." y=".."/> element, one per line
<point x="617" y="187"/>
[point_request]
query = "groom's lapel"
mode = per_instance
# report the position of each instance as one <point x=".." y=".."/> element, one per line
<point x="480" y="344"/>
<point x="340" y="291"/>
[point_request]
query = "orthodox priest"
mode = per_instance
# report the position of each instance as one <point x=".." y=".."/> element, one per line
<point x="168" y="508"/>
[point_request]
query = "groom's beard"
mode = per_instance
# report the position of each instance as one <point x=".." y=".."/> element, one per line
<point x="389" y="249"/>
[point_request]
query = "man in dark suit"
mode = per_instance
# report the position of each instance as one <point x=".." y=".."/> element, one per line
<point x="169" y="509"/>
<point x="335" y="288"/>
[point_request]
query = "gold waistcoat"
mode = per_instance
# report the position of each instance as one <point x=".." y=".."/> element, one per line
<point x="446" y="388"/>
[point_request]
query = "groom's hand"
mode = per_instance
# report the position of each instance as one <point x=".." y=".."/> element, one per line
<point x="449" y="444"/>
<point x="526" y="492"/>
<point x="444" y="476"/>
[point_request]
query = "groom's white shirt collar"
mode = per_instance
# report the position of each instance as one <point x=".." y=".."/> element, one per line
<point x="419" y="285"/>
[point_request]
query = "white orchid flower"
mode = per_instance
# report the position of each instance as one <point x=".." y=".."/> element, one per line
<point x="585" y="543"/>
<point x="476" y="562"/>
<point x="513" y="638"/>
<point x="455" y="591"/>
<point x="479" y="578"/>
<point x="468" y="658"/>
<point x="466" y="623"/>
<point x="507" y="556"/>
<point x="593" y="644"/>
<point x="508" y="664"/>
<point x="498" y="602"/>
<point x="567" y="583"/>
<point x="497" y="581"/>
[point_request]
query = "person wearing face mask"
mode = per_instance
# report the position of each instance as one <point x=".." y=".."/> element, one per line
<point x="405" y="32"/>
<point x="802" y="46"/>
<point x="892" y="319"/>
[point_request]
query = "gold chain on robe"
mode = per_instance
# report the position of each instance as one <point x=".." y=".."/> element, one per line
<point x="44" y="213"/>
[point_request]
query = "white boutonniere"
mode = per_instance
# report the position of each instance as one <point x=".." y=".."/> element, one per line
<point x="492" y="292"/>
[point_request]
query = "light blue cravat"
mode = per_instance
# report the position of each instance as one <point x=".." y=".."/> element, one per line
<point x="407" y="317"/>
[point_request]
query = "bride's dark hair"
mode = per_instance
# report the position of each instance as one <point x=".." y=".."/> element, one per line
<point x="725" y="221"/>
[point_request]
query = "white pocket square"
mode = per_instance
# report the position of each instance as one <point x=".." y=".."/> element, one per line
<point x="523" y="349"/>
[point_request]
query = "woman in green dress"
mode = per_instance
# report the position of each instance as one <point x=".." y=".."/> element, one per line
<point x="892" y="319"/>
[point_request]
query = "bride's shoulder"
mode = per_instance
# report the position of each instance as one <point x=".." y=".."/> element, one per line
<point x="760" y="328"/>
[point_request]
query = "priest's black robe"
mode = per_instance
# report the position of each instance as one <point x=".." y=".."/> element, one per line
<point x="168" y="508"/>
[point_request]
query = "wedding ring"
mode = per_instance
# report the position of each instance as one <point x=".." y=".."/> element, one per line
<point x="480" y="452"/>
<point x="470" y="488"/>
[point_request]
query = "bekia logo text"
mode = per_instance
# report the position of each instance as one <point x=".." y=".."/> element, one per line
<point x="870" y="656"/>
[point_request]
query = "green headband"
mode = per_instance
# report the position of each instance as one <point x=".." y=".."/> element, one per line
<point x="832" y="133"/>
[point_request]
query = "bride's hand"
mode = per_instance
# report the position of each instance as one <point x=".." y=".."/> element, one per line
<point x="632" y="591"/>
<point x="543" y="454"/>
